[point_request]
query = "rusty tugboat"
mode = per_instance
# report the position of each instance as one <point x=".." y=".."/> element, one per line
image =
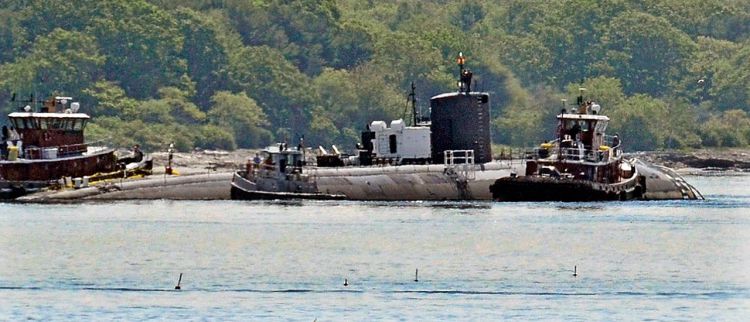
<point x="584" y="164"/>
<point x="41" y="148"/>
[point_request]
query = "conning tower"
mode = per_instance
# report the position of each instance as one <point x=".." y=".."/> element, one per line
<point x="461" y="120"/>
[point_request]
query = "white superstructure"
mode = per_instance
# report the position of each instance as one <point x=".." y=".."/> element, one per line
<point x="400" y="142"/>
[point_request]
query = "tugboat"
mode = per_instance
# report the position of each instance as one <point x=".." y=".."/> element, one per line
<point x="277" y="173"/>
<point x="583" y="163"/>
<point x="39" y="148"/>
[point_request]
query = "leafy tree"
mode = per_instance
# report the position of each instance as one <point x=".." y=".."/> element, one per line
<point x="730" y="129"/>
<point x="301" y="29"/>
<point x="527" y="57"/>
<point x="282" y="90"/>
<point x="40" y="17"/>
<point x="203" y="52"/>
<point x="352" y="44"/>
<point x="62" y="62"/>
<point x="606" y="91"/>
<point x="712" y="55"/>
<point x="12" y="35"/>
<point x="216" y="137"/>
<point x="322" y="128"/>
<point x="731" y="81"/>
<point x="207" y="73"/>
<point x="468" y="14"/>
<point x="142" y="44"/>
<point x="109" y="99"/>
<point x="717" y="19"/>
<point x="241" y="117"/>
<point x="641" y="122"/>
<point x="646" y="52"/>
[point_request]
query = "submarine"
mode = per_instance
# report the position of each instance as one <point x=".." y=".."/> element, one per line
<point x="449" y="157"/>
<point x="445" y="157"/>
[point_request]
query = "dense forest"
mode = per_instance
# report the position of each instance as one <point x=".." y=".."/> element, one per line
<point x="246" y="73"/>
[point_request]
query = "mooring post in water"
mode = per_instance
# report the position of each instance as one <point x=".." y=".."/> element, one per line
<point x="346" y="282"/>
<point x="416" y="275"/>
<point x="575" y="271"/>
<point x="178" y="282"/>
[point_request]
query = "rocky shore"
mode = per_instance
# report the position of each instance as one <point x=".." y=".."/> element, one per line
<point x="703" y="161"/>
<point x="202" y="161"/>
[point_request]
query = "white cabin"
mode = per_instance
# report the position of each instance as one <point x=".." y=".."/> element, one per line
<point x="400" y="142"/>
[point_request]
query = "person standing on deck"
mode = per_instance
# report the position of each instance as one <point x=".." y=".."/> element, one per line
<point x="137" y="153"/>
<point x="615" y="143"/>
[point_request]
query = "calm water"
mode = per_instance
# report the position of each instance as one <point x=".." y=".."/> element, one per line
<point x="288" y="261"/>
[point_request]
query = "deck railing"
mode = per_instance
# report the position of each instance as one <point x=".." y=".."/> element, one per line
<point x="460" y="162"/>
<point x="553" y="150"/>
<point x="60" y="151"/>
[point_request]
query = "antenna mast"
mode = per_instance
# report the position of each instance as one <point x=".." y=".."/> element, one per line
<point x="413" y="97"/>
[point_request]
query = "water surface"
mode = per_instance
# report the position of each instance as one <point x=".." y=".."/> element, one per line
<point x="288" y="260"/>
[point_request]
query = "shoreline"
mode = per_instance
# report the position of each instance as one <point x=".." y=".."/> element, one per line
<point x="725" y="161"/>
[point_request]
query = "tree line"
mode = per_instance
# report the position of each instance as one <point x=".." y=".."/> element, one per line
<point x="247" y="73"/>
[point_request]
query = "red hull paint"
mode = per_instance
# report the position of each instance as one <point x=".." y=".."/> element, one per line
<point x="54" y="169"/>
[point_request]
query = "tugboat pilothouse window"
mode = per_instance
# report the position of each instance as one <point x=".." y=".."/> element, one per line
<point x="23" y="123"/>
<point x="17" y="124"/>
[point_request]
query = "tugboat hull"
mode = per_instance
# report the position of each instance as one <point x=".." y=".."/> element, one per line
<point x="239" y="194"/>
<point x="534" y="188"/>
<point x="18" y="178"/>
<point x="244" y="189"/>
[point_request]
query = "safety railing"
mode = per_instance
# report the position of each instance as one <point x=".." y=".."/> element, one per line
<point x="460" y="162"/>
<point x="60" y="151"/>
<point x="573" y="153"/>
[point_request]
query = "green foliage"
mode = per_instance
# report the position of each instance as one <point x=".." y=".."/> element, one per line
<point x="731" y="81"/>
<point x="241" y="117"/>
<point x="263" y="74"/>
<point x="217" y="137"/>
<point x="730" y="129"/>
<point x="142" y="44"/>
<point x="229" y="73"/>
<point x="12" y="35"/>
<point x="640" y="121"/>
<point x="206" y="57"/>
<point x="109" y="99"/>
<point x="648" y="51"/>
<point x="60" y="62"/>
<point x="301" y="29"/>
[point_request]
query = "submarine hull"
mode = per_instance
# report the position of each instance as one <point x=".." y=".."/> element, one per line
<point x="392" y="183"/>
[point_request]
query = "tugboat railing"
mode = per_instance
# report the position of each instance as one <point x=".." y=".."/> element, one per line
<point x="36" y="152"/>
<point x="553" y="151"/>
